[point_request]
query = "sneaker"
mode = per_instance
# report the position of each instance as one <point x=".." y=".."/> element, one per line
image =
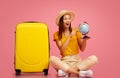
<point x="87" y="73"/>
<point x="62" y="73"/>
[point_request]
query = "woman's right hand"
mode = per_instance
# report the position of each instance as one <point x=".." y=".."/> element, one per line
<point x="73" y="33"/>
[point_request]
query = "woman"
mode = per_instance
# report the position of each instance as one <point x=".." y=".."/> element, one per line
<point x="70" y="41"/>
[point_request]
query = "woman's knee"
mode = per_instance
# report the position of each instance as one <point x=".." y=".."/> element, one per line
<point x="53" y="58"/>
<point x="93" y="58"/>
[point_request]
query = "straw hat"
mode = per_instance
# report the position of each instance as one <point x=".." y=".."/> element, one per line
<point x="63" y="12"/>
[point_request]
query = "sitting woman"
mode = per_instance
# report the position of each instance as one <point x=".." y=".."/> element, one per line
<point x="70" y="41"/>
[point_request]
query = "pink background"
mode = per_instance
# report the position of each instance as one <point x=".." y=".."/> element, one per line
<point x="102" y="15"/>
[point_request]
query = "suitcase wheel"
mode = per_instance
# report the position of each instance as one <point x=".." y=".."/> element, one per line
<point x="18" y="71"/>
<point x="45" y="72"/>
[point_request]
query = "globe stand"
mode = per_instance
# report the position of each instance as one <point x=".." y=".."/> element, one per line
<point x="85" y="36"/>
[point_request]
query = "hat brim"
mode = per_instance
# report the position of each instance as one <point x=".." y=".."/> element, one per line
<point x="64" y="13"/>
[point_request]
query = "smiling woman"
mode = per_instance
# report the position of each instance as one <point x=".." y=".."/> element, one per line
<point x="69" y="41"/>
<point x="66" y="21"/>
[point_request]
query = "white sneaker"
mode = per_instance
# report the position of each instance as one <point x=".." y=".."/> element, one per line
<point x="87" y="73"/>
<point x="62" y="73"/>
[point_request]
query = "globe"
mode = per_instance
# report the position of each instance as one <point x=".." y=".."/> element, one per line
<point x="83" y="28"/>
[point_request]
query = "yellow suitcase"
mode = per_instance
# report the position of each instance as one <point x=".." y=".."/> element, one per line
<point x="31" y="47"/>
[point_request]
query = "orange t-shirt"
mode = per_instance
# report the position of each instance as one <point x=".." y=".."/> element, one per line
<point x="72" y="47"/>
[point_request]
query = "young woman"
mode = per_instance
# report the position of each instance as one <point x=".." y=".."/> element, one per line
<point x="70" y="41"/>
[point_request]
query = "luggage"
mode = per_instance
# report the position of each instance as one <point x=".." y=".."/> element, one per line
<point x="31" y="47"/>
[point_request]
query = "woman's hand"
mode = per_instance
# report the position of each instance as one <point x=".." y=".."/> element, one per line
<point x="72" y="33"/>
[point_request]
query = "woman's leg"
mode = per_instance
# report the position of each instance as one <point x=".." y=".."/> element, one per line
<point x="58" y="64"/>
<point x="87" y="63"/>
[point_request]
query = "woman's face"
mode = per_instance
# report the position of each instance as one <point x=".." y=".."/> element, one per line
<point x="66" y="20"/>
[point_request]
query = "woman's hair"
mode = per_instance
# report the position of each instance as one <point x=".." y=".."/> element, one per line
<point x="61" y="28"/>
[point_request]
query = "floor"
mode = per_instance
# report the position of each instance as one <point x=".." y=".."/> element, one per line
<point x="41" y="75"/>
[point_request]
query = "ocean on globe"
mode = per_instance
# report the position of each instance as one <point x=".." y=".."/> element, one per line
<point x="83" y="28"/>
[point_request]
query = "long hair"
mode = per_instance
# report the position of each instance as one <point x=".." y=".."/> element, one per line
<point x="61" y="28"/>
